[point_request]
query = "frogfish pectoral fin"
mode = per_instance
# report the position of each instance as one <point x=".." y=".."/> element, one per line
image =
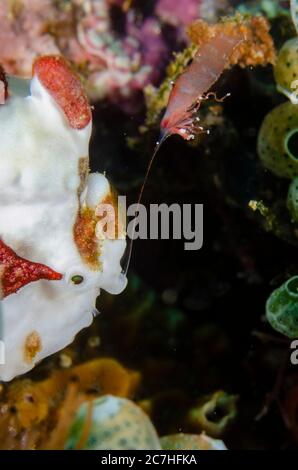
<point x="16" y="272"/>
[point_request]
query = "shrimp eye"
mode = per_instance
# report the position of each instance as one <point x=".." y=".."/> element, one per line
<point x="77" y="279"/>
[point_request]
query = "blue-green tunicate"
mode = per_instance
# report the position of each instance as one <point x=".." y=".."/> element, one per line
<point x="286" y="70"/>
<point x="292" y="200"/>
<point x="183" y="441"/>
<point x="282" y="308"/>
<point x="278" y="141"/>
<point x="115" y="424"/>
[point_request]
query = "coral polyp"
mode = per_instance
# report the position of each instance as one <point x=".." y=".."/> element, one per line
<point x="278" y="141"/>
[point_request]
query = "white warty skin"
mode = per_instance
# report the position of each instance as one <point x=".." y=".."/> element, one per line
<point x="39" y="204"/>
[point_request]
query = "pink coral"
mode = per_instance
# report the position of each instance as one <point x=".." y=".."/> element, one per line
<point x="23" y="34"/>
<point x="178" y="13"/>
<point x="116" y="64"/>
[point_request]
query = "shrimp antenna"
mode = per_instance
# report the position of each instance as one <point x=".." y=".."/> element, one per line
<point x="127" y="256"/>
<point x="185" y="97"/>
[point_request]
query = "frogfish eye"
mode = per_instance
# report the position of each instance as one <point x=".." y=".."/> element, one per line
<point x="77" y="279"/>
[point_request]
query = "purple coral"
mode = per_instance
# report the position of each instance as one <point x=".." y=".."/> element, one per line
<point x="178" y="13"/>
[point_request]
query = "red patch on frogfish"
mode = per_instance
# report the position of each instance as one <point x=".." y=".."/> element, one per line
<point x="16" y="272"/>
<point x="57" y="76"/>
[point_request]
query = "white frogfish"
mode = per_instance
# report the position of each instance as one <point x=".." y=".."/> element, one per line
<point x="55" y="254"/>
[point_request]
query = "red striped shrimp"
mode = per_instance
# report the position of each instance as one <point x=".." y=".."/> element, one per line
<point x="185" y="99"/>
<point x="188" y="91"/>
